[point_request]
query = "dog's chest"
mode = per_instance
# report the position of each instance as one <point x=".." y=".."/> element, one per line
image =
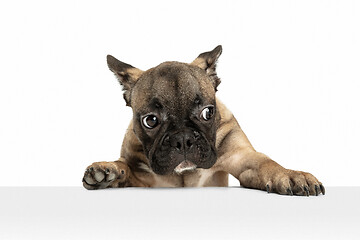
<point x="198" y="178"/>
<point x="205" y="178"/>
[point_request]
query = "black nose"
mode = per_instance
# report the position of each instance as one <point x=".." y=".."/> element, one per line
<point x="182" y="141"/>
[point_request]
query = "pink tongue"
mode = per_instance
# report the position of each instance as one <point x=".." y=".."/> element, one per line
<point x="184" y="167"/>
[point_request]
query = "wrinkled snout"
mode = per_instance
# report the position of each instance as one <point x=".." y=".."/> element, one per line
<point x="182" y="142"/>
<point x="183" y="151"/>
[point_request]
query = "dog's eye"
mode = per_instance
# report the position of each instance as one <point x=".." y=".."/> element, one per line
<point x="150" y="121"/>
<point x="207" y="113"/>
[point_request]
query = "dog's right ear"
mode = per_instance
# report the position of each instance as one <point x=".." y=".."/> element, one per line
<point x="126" y="74"/>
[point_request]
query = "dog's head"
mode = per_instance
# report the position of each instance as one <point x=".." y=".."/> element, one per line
<point x="174" y="111"/>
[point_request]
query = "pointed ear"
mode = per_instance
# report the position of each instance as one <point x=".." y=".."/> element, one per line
<point x="207" y="61"/>
<point x="126" y="74"/>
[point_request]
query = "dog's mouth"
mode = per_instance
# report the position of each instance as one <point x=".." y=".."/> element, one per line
<point x="181" y="153"/>
<point x="185" y="167"/>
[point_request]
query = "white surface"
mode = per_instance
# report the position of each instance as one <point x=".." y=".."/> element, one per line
<point x="289" y="70"/>
<point x="208" y="213"/>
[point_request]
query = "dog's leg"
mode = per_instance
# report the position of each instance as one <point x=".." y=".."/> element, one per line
<point x="115" y="174"/>
<point x="256" y="170"/>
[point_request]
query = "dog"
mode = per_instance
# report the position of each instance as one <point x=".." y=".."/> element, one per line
<point x="181" y="135"/>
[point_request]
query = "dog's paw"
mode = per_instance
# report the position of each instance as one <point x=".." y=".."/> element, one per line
<point x="101" y="175"/>
<point x="289" y="182"/>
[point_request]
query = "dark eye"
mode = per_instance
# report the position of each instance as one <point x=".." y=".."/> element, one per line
<point x="150" y="121"/>
<point x="207" y="113"/>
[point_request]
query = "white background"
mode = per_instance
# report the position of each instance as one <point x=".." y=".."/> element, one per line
<point x="289" y="70"/>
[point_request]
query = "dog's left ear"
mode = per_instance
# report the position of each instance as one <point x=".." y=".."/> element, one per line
<point x="207" y="61"/>
<point x="126" y="74"/>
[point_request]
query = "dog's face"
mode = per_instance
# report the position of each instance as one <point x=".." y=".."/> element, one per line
<point x="174" y="111"/>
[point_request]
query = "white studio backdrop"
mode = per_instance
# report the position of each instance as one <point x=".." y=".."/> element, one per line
<point x="289" y="70"/>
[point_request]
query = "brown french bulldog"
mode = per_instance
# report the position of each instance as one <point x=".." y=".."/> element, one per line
<point x="181" y="135"/>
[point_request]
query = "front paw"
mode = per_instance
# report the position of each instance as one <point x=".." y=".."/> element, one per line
<point x="289" y="182"/>
<point x="101" y="175"/>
